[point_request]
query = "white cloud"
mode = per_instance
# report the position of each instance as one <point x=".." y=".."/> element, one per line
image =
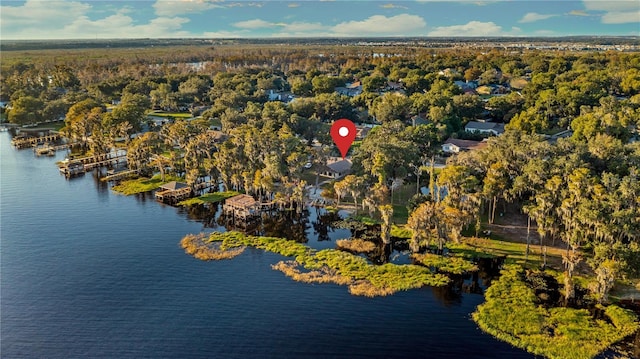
<point x="180" y="7"/>
<point x="534" y="16"/>
<point x="473" y="28"/>
<point x="399" y="25"/>
<point x="614" y="6"/>
<point x="377" y="25"/>
<point x="621" y="17"/>
<point x="51" y="14"/>
<point x="254" y="24"/>
<point x="65" y="20"/>
<point x="615" y="12"/>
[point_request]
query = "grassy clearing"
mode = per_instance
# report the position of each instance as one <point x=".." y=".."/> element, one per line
<point x="141" y="185"/>
<point x="511" y="313"/>
<point x="56" y="126"/>
<point x="170" y="114"/>
<point x="199" y="247"/>
<point x="453" y="265"/>
<point x="209" y="198"/>
<point x="356" y="245"/>
<point x="366" y="220"/>
<point x="400" y="214"/>
<point x="513" y="251"/>
<point x="333" y="266"/>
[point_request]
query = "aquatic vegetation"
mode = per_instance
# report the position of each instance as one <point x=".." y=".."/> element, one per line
<point x="512" y="313"/>
<point x="141" y="185"/>
<point x="400" y="232"/>
<point x="200" y="247"/>
<point x="212" y="197"/>
<point x="356" y="245"/>
<point x="331" y="265"/>
<point x="453" y="265"/>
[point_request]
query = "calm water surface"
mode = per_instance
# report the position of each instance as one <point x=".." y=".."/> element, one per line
<point x="89" y="273"/>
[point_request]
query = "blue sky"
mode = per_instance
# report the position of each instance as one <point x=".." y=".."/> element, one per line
<point x="78" y="19"/>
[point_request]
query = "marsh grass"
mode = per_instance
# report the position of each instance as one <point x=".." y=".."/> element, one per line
<point x="400" y="232"/>
<point x="141" y="185"/>
<point x="200" y="247"/>
<point x="356" y="245"/>
<point x="511" y="313"/>
<point x="329" y="265"/>
<point x="453" y="265"/>
<point x="208" y="198"/>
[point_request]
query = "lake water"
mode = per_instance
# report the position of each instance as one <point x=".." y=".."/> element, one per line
<point x="87" y="273"/>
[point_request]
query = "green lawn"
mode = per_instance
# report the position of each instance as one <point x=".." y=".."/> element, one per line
<point x="209" y="198"/>
<point x="170" y="114"/>
<point x="141" y="185"/>
<point x="56" y="126"/>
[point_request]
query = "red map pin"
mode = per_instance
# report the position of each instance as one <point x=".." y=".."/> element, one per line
<point x="343" y="133"/>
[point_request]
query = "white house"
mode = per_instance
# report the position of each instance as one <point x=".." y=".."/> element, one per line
<point x="491" y="128"/>
<point x="454" y="145"/>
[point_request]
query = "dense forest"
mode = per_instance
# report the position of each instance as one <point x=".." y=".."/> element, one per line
<point x="274" y="106"/>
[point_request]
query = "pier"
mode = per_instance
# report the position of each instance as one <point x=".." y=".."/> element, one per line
<point x="28" y="142"/>
<point x="72" y="167"/>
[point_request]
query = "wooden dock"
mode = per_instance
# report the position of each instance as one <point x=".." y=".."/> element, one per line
<point x="28" y="142"/>
<point x="116" y="176"/>
<point x="111" y="158"/>
<point x="81" y="165"/>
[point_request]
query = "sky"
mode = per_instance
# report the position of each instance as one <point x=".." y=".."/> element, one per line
<point x="91" y="19"/>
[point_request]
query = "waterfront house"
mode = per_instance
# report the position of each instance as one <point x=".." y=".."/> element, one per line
<point x="242" y="206"/>
<point x="173" y="192"/>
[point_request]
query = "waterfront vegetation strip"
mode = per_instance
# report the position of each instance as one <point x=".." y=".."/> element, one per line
<point x="143" y="184"/>
<point x="356" y="245"/>
<point x="453" y="265"/>
<point x="330" y="265"/>
<point x="209" y="198"/>
<point x="512" y="313"/>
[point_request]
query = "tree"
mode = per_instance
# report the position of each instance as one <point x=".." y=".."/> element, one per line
<point x="391" y="106"/>
<point x="472" y="73"/>
<point x="386" y="212"/>
<point x="25" y="110"/>
<point x="422" y="221"/>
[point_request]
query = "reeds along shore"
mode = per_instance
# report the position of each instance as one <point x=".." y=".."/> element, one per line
<point x="198" y="247"/>
<point x="325" y="266"/>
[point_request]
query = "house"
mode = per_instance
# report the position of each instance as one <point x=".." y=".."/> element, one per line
<point x="173" y="192"/>
<point x="336" y="169"/>
<point x="362" y="131"/>
<point x="491" y="128"/>
<point x="449" y="72"/>
<point x="281" y="96"/>
<point x="466" y="84"/>
<point x="351" y="89"/>
<point x="394" y="86"/>
<point x="419" y="119"/>
<point x="454" y="145"/>
<point x="242" y="206"/>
